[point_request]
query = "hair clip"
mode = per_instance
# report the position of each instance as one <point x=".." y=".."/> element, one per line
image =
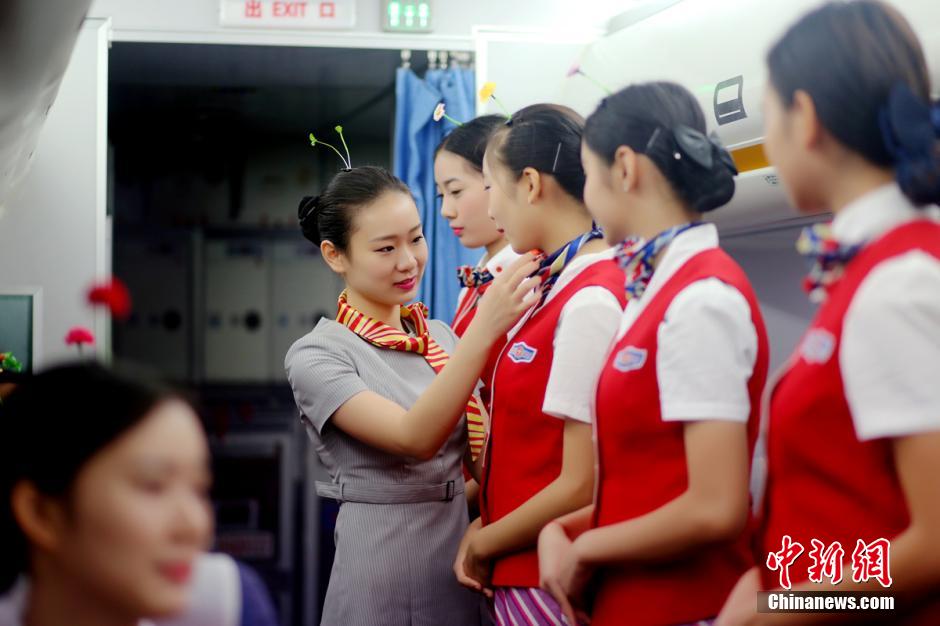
<point x="347" y="160"/>
<point x="576" y="69"/>
<point x="557" y="154"/>
<point x="694" y="145"/>
<point x="909" y="126"/>
<point x="489" y="91"/>
<point x="307" y="207"/>
<point x="440" y="113"/>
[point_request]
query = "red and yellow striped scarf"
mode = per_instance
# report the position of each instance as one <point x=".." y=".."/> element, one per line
<point x="384" y="336"/>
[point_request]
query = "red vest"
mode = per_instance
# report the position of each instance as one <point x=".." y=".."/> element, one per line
<point x="641" y="465"/>
<point x="466" y="311"/>
<point x="524" y="451"/>
<point x="823" y="483"/>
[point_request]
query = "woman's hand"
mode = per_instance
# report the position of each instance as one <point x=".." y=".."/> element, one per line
<point x="510" y="295"/>
<point x="561" y="572"/>
<point x="740" y="608"/>
<point x="463" y="576"/>
<point x="477" y="565"/>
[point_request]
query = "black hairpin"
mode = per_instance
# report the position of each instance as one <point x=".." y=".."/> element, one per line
<point x="307" y="207"/>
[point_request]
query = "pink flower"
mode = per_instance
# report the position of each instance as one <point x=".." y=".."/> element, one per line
<point x="112" y="294"/>
<point x="78" y="336"/>
<point x="574" y="69"/>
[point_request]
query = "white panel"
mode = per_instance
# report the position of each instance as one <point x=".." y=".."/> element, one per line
<point x="304" y="289"/>
<point x="703" y="44"/>
<point x="505" y="56"/>
<point x="198" y="21"/>
<point x="237" y="325"/>
<point x="53" y="231"/>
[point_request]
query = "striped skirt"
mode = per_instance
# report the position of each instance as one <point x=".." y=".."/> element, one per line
<point x="526" y="606"/>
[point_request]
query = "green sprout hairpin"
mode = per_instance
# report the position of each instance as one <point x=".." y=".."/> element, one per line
<point x="489" y="91"/>
<point x="440" y="113"/>
<point x="347" y="160"/>
<point x="576" y="69"/>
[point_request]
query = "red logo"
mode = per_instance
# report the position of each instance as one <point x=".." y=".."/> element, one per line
<point x="328" y="9"/>
<point x="783" y="559"/>
<point x="871" y="560"/>
<point x="827" y="562"/>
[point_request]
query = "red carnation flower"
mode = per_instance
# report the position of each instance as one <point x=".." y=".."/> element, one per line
<point x="114" y="295"/>
<point x="78" y="336"/>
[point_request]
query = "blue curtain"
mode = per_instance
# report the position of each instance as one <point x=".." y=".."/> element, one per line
<point x="416" y="137"/>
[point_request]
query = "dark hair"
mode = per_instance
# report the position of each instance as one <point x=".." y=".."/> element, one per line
<point x="329" y="216"/>
<point x="651" y="119"/>
<point x="546" y="137"/>
<point x="848" y="56"/>
<point x="51" y="425"/>
<point x="469" y="141"/>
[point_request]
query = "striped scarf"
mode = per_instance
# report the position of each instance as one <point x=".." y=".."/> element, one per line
<point x="635" y="257"/>
<point x="550" y="269"/>
<point x="384" y="336"/>
<point x="829" y="256"/>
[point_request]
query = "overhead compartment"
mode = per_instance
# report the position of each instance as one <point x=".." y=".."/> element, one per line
<point x="717" y="49"/>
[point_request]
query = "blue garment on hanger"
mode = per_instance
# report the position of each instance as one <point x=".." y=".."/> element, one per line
<point x="417" y="136"/>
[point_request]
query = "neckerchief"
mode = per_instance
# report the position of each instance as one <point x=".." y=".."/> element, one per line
<point x="550" y="269"/>
<point x="384" y="336"/>
<point x="829" y="256"/>
<point x="472" y="277"/>
<point x="635" y="256"/>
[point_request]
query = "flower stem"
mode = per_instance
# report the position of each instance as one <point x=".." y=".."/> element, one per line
<point x="502" y="106"/>
<point x="452" y="120"/>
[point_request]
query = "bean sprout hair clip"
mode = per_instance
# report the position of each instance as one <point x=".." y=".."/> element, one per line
<point x="576" y="70"/>
<point x="347" y="160"/>
<point x="487" y="92"/>
<point x="440" y="113"/>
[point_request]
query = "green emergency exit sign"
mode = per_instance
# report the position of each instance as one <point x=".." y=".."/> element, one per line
<point x="407" y="16"/>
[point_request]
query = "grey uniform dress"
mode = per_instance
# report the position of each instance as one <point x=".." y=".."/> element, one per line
<point x="401" y="519"/>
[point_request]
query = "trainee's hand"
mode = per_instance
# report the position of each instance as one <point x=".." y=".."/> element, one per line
<point x="741" y="606"/>
<point x="462" y="576"/>
<point x="510" y="295"/>
<point x="477" y="566"/>
<point x="560" y="571"/>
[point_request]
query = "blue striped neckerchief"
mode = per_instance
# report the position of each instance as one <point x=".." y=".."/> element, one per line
<point x="635" y="257"/>
<point x="550" y="269"/>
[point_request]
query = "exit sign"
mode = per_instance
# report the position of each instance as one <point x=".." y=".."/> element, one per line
<point x="295" y="14"/>
<point x="407" y="16"/>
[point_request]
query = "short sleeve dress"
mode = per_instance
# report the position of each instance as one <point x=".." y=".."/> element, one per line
<point x="394" y="561"/>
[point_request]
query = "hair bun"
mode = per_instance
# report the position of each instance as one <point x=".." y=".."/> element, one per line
<point x="705" y="169"/>
<point x="910" y="129"/>
<point x="307" y="209"/>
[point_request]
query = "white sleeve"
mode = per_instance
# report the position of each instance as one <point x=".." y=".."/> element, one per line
<point x="890" y="351"/>
<point x="586" y="327"/>
<point x="706" y="350"/>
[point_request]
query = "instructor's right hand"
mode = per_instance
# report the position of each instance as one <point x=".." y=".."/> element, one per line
<point x="509" y="296"/>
